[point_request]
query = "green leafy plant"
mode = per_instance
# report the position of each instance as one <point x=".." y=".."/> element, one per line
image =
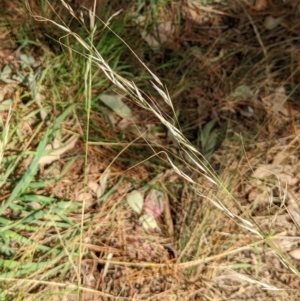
<point x="211" y="138"/>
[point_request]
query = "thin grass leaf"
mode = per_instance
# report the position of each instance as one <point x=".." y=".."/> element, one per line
<point x="21" y="268"/>
<point x="42" y="184"/>
<point x="33" y="168"/>
<point x="111" y="190"/>
<point x="43" y="200"/>
<point x="24" y="241"/>
<point x="28" y="175"/>
<point x="32" y="216"/>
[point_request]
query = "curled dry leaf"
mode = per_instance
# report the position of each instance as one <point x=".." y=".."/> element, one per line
<point x="151" y="40"/>
<point x="55" y="151"/>
<point x="287" y="179"/>
<point x="260" y="5"/>
<point x="154" y="203"/>
<point x="35" y="205"/>
<point x="161" y="35"/>
<point x="267" y="170"/>
<point x="279" y="158"/>
<point x="112" y="118"/>
<point x="285" y="243"/>
<point x="94" y="186"/>
<point x="193" y="10"/>
<point x="295" y="253"/>
<point x="277" y="101"/>
<point x="84" y="196"/>
<point x="6" y="92"/>
<point x="294" y="211"/>
<point x="128" y="123"/>
<point x="259" y="197"/>
<point x="281" y="172"/>
<point x="165" y="30"/>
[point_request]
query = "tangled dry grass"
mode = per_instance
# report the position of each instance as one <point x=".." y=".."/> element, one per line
<point x="229" y="228"/>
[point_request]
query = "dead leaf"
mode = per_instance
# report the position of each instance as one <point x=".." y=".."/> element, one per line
<point x="164" y="32"/>
<point x="94" y="186"/>
<point x="35" y="205"/>
<point x="193" y="11"/>
<point x="279" y="158"/>
<point x="267" y="170"/>
<point x="154" y="205"/>
<point x="84" y="196"/>
<point x="151" y="40"/>
<point x="287" y="179"/>
<point x="259" y="197"/>
<point x="295" y="253"/>
<point x="55" y="151"/>
<point x="277" y="101"/>
<point x="260" y="5"/>
<point x="161" y="34"/>
<point x="294" y="211"/>
<point x="103" y="183"/>
<point x="5" y="73"/>
<point x="285" y="243"/>
<point x="284" y="173"/>
<point x="126" y="123"/>
<point x="112" y="118"/>
<point x="6" y="92"/>
<point x="271" y="23"/>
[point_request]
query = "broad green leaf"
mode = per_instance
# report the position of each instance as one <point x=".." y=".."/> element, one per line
<point x="242" y="91"/>
<point x="271" y="23"/>
<point x="206" y="130"/>
<point x="148" y="222"/>
<point x="115" y="103"/>
<point x="135" y="200"/>
<point x="27" y="60"/>
<point x="5" y="73"/>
